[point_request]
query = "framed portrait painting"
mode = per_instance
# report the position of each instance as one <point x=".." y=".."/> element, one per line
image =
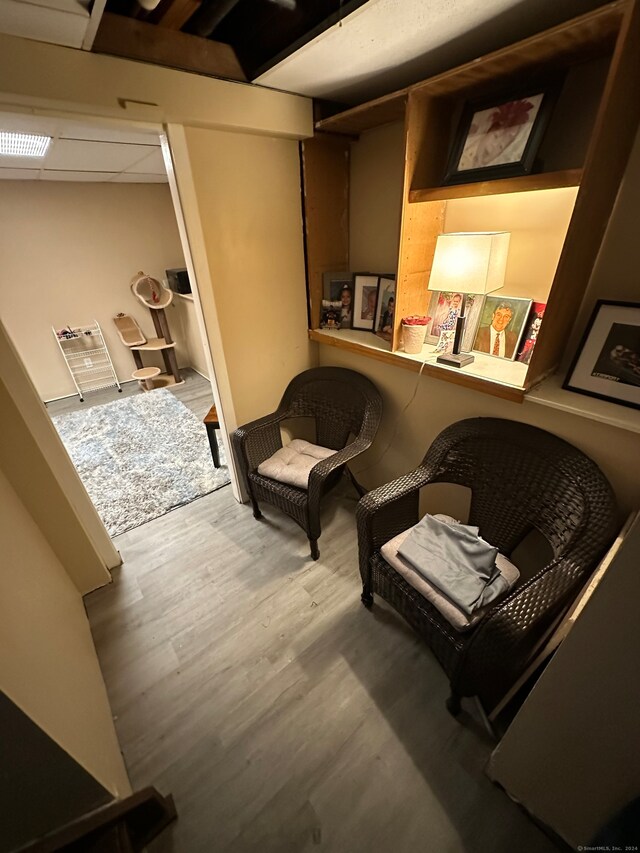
<point x="501" y="326"/>
<point x="365" y="301"/>
<point x="444" y="310"/>
<point x="385" y="310"/>
<point x="338" y="287"/>
<point x="607" y="364"/>
<point x="531" y="330"/>
<point x="500" y="138"/>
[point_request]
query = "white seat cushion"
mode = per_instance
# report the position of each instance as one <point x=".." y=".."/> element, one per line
<point x="451" y="612"/>
<point x="292" y="464"/>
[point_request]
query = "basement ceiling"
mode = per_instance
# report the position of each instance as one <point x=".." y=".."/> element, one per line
<point x="81" y="152"/>
<point x="345" y="51"/>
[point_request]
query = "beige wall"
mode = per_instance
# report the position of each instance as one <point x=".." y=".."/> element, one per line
<point x="190" y="336"/>
<point x="77" y="81"/>
<point x="570" y="754"/>
<point x="37" y="465"/>
<point x="244" y="191"/>
<point x="68" y="253"/>
<point x="48" y="664"/>
<point x="438" y="403"/>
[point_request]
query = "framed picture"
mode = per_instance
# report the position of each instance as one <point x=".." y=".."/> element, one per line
<point x="338" y="287"/>
<point x="365" y="301"/>
<point x="607" y="364"/>
<point x="330" y="314"/>
<point x="385" y="309"/>
<point x="501" y="137"/>
<point x="444" y="310"/>
<point x="531" y="330"/>
<point x="502" y="323"/>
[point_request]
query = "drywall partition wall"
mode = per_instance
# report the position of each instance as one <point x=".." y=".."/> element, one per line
<point x="241" y="193"/>
<point x="569" y="755"/>
<point x="34" y="74"/>
<point x="48" y="664"/>
<point x="404" y="436"/>
<point x="38" y="466"/>
<point x="68" y="253"/>
<point x="190" y="336"/>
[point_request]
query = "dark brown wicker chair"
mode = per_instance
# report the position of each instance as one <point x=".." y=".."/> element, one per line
<point x="344" y="404"/>
<point x="521" y="479"/>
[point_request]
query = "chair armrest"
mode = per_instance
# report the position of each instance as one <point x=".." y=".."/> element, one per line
<point x="258" y="440"/>
<point x="505" y="641"/>
<point x="386" y="511"/>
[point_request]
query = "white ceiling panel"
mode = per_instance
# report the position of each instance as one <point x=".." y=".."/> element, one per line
<point x="19" y="174"/>
<point x="99" y="133"/>
<point x="53" y="175"/>
<point x="60" y="21"/>
<point x="81" y="156"/>
<point x="136" y="178"/>
<point x="151" y="164"/>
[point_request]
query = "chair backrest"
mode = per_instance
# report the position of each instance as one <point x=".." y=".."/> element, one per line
<point x="522" y="478"/>
<point x="343" y="402"/>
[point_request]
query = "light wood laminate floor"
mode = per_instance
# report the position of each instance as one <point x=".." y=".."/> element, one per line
<point x="195" y="393"/>
<point x="250" y="682"/>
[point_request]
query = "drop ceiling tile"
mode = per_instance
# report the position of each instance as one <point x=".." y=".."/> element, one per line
<point x="134" y="178"/>
<point x="151" y="164"/>
<point x="19" y="174"/>
<point x="85" y="156"/>
<point x="54" y="175"/>
<point x="76" y="130"/>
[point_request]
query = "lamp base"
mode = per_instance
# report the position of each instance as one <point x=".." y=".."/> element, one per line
<point x="455" y="360"/>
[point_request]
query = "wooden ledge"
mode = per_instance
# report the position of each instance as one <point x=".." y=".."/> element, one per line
<point x="380" y="351"/>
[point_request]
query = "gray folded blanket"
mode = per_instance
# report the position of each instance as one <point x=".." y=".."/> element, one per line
<point x="456" y="560"/>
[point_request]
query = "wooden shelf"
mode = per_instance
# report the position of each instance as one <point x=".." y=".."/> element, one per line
<point x="589" y="35"/>
<point x="497" y="377"/>
<point x="154" y="344"/>
<point x="551" y="393"/>
<point x="524" y="183"/>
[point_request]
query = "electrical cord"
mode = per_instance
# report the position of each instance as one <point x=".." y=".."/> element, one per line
<point x="398" y="420"/>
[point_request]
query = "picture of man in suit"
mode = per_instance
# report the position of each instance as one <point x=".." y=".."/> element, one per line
<point x="497" y="339"/>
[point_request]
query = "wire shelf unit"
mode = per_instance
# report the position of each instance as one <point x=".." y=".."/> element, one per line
<point x="87" y="358"/>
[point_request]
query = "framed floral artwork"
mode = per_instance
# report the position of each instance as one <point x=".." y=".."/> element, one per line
<point x="500" y="138"/>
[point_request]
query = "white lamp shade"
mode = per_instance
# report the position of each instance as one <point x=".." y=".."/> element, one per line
<point x="470" y="262"/>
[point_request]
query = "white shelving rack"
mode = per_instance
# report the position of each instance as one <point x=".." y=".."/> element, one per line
<point x="87" y="357"/>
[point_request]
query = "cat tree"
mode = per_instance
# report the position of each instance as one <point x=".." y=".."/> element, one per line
<point x="156" y="298"/>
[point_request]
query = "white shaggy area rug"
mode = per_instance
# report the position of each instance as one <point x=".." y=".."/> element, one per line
<point x="141" y="457"/>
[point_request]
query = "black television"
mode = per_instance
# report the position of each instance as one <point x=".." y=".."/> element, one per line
<point x="178" y="281"/>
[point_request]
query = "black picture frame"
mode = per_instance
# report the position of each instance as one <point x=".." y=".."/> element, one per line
<point x="524" y="166"/>
<point x="594" y="348"/>
<point x="363" y="283"/>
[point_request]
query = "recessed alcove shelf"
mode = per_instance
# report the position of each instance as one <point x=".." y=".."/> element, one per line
<point x="584" y="156"/>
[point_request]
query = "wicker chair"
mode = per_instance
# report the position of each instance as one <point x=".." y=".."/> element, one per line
<point x="344" y="404"/>
<point x="521" y="479"/>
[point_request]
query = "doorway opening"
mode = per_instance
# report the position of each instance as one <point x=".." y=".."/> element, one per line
<point x="101" y="302"/>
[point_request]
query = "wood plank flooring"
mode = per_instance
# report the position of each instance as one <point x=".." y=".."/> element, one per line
<point x="250" y="682"/>
<point x="195" y="394"/>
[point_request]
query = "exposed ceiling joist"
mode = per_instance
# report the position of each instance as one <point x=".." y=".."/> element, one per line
<point x="175" y="14"/>
<point x="120" y="36"/>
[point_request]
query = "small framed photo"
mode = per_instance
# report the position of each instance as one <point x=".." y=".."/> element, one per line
<point x="386" y="307"/>
<point x="338" y="287"/>
<point x="607" y="364"/>
<point x="501" y="137"/>
<point x="531" y="330"/>
<point x="444" y="310"/>
<point x="365" y="301"/>
<point x="501" y="326"/>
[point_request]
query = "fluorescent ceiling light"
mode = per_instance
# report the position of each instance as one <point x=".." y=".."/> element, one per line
<point x="23" y="144"/>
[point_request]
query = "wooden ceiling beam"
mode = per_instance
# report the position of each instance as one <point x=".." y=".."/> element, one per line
<point x="175" y="14"/>
<point x="159" y="45"/>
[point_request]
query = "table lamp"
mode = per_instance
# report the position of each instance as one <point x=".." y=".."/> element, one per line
<point x="468" y="262"/>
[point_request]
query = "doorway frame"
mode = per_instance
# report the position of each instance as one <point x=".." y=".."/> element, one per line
<point x="209" y="330"/>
